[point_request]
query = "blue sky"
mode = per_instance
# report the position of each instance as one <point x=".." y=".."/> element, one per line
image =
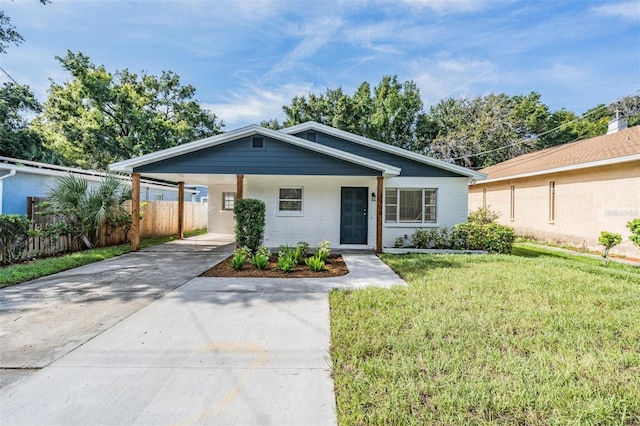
<point x="248" y="58"/>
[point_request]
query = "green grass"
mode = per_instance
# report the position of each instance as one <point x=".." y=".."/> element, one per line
<point x="14" y="274"/>
<point x="537" y="337"/>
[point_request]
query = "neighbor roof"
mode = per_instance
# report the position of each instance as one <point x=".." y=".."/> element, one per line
<point x="619" y="147"/>
<point x="312" y="125"/>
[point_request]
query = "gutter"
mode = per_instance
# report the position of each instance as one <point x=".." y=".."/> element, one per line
<point x="12" y="172"/>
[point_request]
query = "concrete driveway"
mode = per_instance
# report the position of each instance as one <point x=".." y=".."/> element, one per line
<point x="153" y="344"/>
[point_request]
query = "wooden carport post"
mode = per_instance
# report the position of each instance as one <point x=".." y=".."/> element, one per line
<point x="135" y="211"/>
<point x="180" y="210"/>
<point x="239" y="187"/>
<point x="379" y="214"/>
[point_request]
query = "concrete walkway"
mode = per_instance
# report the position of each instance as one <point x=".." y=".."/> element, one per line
<point x="187" y="350"/>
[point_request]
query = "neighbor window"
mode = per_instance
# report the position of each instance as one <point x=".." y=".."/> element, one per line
<point x="410" y="205"/>
<point x="512" y="204"/>
<point x="158" y="197"/>
<point x="484" y="198"/>
<point x="290" y="199"/>
<point x="228" y="200"/>
<point x="552" y="202"/>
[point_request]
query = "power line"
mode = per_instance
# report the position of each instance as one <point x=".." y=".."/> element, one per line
<point x="8" y="75"/>
<point x="583" y="116"/>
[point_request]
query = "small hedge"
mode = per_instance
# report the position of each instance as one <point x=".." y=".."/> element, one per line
<point x="492" y="237"/>
<point x="250" y="217"/>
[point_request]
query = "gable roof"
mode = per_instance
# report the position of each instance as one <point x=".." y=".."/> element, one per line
<point x="619" y="147"/>
<point x="251" y="130"/>
<point x="351" y="137"/>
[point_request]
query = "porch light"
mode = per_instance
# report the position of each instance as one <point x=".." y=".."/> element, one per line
<point x="373" y="196"/>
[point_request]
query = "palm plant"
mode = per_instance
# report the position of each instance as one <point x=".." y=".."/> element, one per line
<point x="85" y="209"/>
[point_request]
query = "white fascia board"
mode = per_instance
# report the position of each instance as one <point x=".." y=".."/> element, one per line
<point x="92" y="176"/>
<point x="381" y="146"/>
<point x="608" y="162"/>
<point x="129" y="165"/>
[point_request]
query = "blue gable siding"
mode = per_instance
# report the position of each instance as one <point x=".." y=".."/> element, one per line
<point x="275" y="158"/>
<point x="409" y="167"/>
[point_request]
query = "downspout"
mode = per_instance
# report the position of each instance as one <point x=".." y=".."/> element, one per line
<point x="12" y="172"/>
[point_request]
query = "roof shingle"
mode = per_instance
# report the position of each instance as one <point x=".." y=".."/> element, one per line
<point x="607" y="147"/>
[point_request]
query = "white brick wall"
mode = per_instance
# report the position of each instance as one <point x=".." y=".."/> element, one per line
<point x="452" y="205"/>
<point x="321" y="208"/>
<point x="320" y="219"/>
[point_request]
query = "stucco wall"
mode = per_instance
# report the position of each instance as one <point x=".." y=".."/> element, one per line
<point x="586" y="202"/>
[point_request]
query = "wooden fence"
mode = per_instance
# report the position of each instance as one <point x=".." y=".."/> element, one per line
<point x="159" y="218"/>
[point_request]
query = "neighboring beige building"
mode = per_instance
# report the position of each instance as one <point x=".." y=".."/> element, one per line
<point x="569" y="193"/>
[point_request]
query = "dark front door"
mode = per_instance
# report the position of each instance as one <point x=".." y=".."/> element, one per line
<point x="353" y="215"/>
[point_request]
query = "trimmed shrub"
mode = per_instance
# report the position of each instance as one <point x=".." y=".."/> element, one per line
<point x="249" y="214"/>
<point x="492" y="237"/>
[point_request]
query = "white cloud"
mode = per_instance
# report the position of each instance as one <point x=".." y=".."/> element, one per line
<point x="628" y="10"/>
<point x="252" y="104"/>
<point x="450" y="6"/>
<point x="315" y="37"/>
<point x="449" y="77"/>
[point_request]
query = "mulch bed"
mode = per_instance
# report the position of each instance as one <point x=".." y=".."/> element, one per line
<point x="334" y="266"/>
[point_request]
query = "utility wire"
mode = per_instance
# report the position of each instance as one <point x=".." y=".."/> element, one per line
<point x="8" y="75"/>
<point x="583" y="116"/>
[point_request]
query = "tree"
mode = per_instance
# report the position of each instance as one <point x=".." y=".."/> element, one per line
<point x="8" y="33"/>
<point x="16" y="138"/>
<point x="484" y="130"/>
<point x="99" y="117"/>
<point x="391" y="115"/>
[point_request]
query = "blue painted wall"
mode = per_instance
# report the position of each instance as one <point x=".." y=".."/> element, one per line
<point x="409" y="167"/>
<point x="276" y="158"/>
<point x="16" y="189"/>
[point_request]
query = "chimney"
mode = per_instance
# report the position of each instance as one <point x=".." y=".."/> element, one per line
<point x="617" y="123"/>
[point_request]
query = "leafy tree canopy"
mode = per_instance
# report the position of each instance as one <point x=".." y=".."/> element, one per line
<point x="476" y="132"/>
<point x="98" y="117"/>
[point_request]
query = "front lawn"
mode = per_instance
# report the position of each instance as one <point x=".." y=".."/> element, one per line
<point x="532" y="338"/>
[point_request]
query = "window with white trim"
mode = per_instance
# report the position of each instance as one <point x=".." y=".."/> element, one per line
<point x="411" y="205"/>
<point x="158" y="197"/>
<point x="290" y="199"/>
<point x="228" y="200"/>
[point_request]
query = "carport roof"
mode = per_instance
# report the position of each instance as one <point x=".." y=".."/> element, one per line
<point x="129" y="166"/>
